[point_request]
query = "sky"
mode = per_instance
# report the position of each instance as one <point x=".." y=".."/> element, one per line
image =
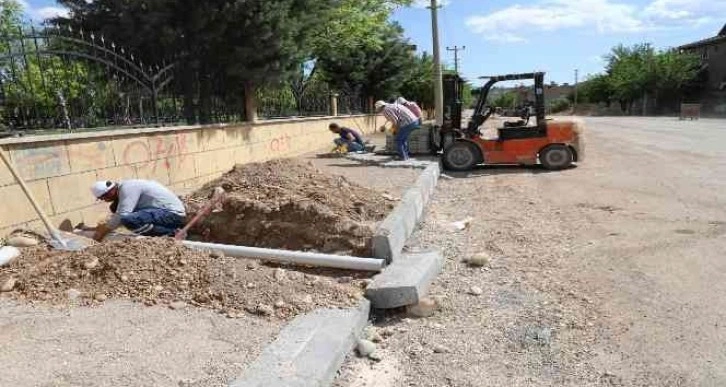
<point x="556" y="36"/>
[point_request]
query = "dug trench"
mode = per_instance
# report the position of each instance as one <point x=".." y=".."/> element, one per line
<point x="292" y="205"/>
<point x="279" y="204"/>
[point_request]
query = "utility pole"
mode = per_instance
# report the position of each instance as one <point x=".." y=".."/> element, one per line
<point x="438" y="80"/>
<point x="576" y="83"/>
<point x="456" y="50"/>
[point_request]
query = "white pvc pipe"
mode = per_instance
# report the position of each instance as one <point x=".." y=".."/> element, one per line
<point x="298" y="257"/>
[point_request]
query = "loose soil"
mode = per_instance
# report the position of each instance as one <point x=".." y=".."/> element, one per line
<point x="292" y="205"/>
<point x="161" y="271"/>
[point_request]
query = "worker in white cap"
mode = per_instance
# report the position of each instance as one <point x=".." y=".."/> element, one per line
<point x="403" y="123"/>
<point x="144" y="207"/>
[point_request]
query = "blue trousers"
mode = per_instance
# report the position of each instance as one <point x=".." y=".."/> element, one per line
<point x="402" y="139"/>
<point x="153" y="222"/>
<point x="352" y="145"/>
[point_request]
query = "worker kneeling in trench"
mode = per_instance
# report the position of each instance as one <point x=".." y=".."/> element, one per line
<point x="144" y="207"/>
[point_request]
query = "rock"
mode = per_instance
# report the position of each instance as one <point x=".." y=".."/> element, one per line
<point x="388" y="197"/>
<point x="22" y="241"/>
<point x="478" y="260"/>
<point x="295" y="276"/>
<point x="8" y="254"/>
<point x="264" y="310"/>
<point x="177" y="305"/>
<point x="253" y="265"/>
<point x="279" y="274"/>
<point x="475" y="291"/>
<point x="8" y="284"/>
<point x="373" y="335"/>
<point x="345" y="280"/>
<point x="100" y="297"/>
<point x="441" y="349"/>
<point x="250" y="285"/>
<point x="376" y="356"/>
<point x="73" y="294"/>
<point x="92" y="264"/>
<point x="216" y="254"/>
<point x="280" y="304"/>
<point x="365" y="347"/>
<point x="158" y="288"/>
<point x="202" y="298"/>
<point x="124" y="278"/>
<point x="364" y="283"/>
<point x="386" y="332"/>
<point x="425" y="308"/>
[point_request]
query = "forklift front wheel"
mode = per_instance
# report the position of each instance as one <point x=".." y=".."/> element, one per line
<point x="461" y="156"/>
<point x="556" y="157"/>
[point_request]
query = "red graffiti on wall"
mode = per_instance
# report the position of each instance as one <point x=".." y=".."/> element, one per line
<point x="164" y="152"/>
<point x="280" y="144"/>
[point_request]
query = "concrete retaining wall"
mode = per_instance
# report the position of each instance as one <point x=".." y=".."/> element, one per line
<point x="59" y="169"/>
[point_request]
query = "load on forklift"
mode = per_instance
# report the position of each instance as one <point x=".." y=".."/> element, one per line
<point x="555" y="144"/>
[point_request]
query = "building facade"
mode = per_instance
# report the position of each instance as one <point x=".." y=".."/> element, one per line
<point x="711" y="92"/>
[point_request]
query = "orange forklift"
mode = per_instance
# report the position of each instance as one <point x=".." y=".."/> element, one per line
<point x="555" y="144"/>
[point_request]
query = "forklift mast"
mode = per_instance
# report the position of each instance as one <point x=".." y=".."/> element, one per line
<point x="480" y="112"/>
<point x="453" y="95"/>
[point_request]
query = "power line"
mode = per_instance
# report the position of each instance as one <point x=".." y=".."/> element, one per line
<point x="456" y="50"/>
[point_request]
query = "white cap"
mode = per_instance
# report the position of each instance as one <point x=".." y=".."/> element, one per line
<point x="401" y="100"/>
<point x="380" y="104"/>
<point x="100" y="188"/>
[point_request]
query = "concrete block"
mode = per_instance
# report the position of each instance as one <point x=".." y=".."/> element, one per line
<point x="15" y="207"/>
<point x="309" y="351"/>
<point x="213" y="138"/>
<point x="391" y="235"/>
<point x="181" y="168"/>
<point x="131" y="150"/>
<point x="6" y="178"/>
<point x="153" y="170"/>
<point x="71" y="192"/>
<point x="204" y="163"/>
<point x="40" y="160"/>
<point x="405" y="281"/>
<point x="90" y="154"/>
<point x="123" y="172"/>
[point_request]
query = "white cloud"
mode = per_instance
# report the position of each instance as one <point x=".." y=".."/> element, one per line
<point x="514" y="23"/>
<point x="517" y="21"/>
<point x="42" y="13"/>
<point x="50" y="12"/>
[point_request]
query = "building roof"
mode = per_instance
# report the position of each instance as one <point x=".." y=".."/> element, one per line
<point x="716" y="39"/>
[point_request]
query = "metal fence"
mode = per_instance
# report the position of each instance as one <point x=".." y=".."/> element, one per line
<point x="64" y="79"/>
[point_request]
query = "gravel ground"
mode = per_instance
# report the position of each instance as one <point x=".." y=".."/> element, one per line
<point x="126" y="344"/>
<point x="608" y="274"/>
<point x="84" y="342"/>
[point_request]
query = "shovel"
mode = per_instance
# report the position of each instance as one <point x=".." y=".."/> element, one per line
<point x="56" y="241"/>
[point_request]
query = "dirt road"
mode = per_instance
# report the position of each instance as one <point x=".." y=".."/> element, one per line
<point x="608" y="274"/>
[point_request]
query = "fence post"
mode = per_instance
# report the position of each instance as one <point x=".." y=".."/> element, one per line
<point x="250" y="102"/>
<point x="334" y="104"/>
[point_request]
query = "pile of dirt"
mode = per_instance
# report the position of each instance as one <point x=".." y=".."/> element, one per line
<point x="291" y="205"/>
<point x="161" y="271"/>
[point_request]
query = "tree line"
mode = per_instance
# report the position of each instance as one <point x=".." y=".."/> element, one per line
<point x="660" y="79"/>
<point x="235" y="51"/>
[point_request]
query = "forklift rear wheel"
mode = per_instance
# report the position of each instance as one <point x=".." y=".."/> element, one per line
<point x="461" y="156"/>
<point x="556" y="157"/>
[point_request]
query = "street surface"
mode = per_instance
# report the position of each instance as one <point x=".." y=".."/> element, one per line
<point x="609" y="274"/>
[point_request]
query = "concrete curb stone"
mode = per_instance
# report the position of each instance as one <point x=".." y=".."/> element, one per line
<point x="406" y="281"/>
<point x="391" y="235"/>
<point x="309" y="350"/>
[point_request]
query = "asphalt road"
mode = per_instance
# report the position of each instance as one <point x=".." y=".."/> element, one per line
<point x="609" y="274"/>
